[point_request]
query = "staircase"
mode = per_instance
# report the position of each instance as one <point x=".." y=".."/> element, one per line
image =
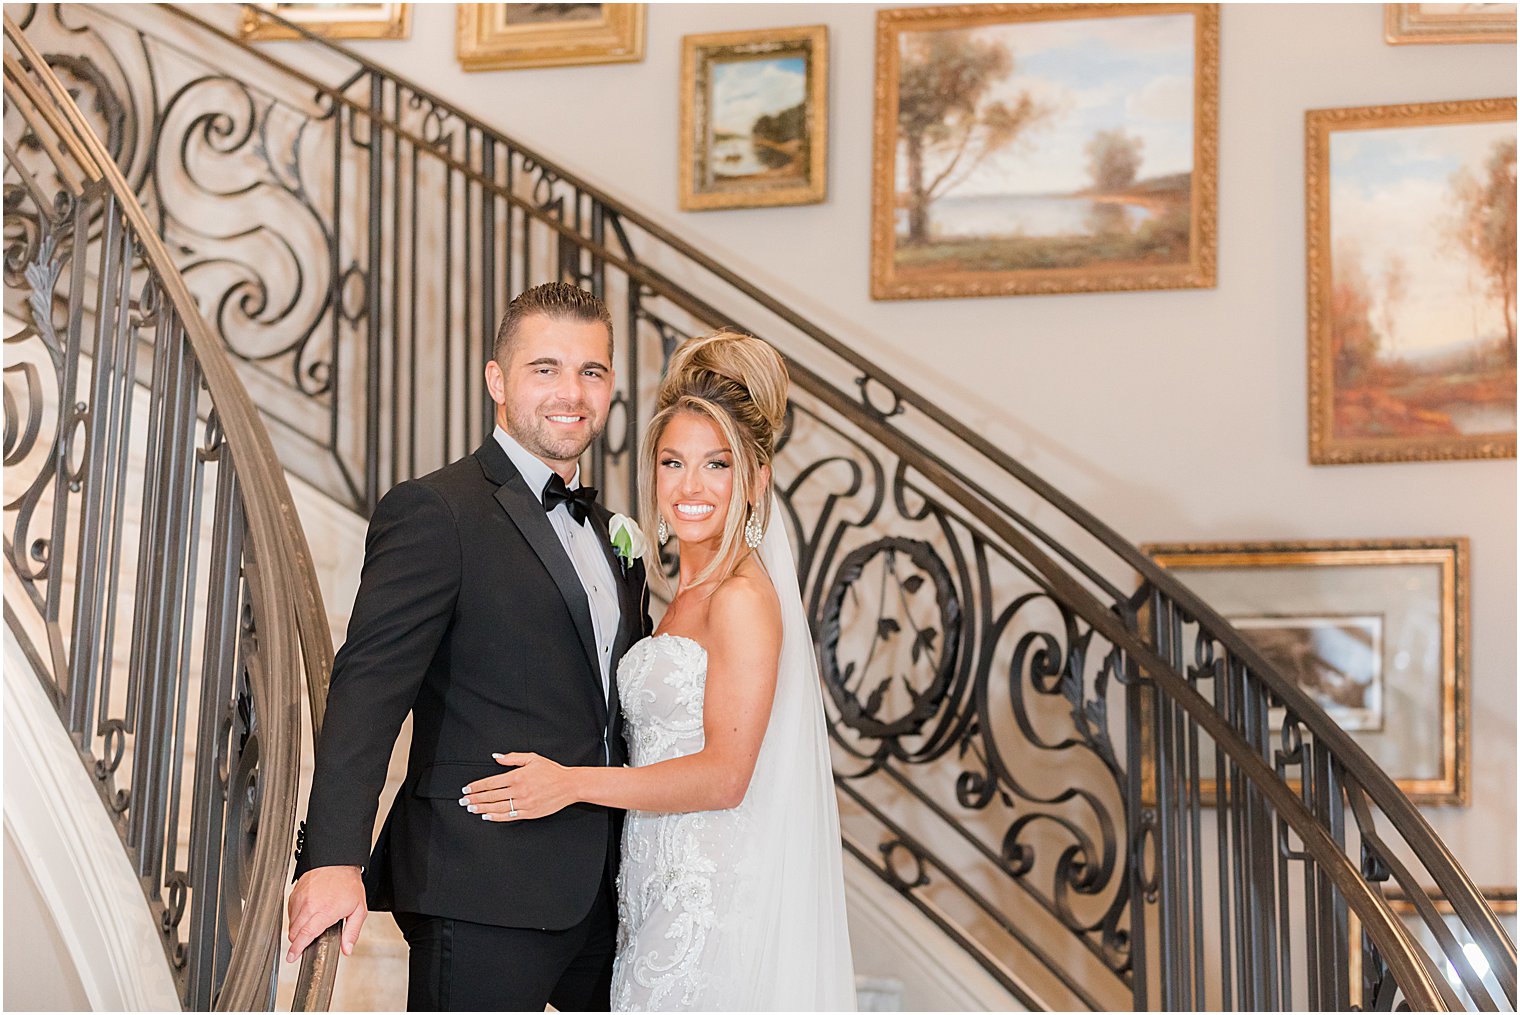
<point x="1024" y="707"/>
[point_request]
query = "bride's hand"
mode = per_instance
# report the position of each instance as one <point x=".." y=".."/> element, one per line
<point x="535" y="788"/>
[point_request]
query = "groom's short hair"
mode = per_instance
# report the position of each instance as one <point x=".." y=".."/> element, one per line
<point x="556" y="300"/>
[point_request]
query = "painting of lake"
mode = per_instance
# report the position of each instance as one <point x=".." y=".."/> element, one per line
<point x="758" y="118"/>
<point x="1050" y="151"/>
<point x="1022" y="215"/>
<point x="754" y="118"/>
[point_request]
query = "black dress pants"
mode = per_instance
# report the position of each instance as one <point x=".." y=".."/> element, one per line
<point x="456" y="965"/>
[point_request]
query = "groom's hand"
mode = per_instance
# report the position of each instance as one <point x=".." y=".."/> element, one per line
<point x="323" y="896"/>
<point x="535" y="788"/>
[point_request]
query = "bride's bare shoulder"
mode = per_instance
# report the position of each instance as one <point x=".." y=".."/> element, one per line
<point x="745" y="603"/>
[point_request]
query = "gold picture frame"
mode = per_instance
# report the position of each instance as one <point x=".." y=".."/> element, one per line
<point x="1412" y="24"/>
<point x="1500" y="900"/>
<point x="739" y="87"/>
<point x="331" y="21"/>
<point x="1422" y="598"/>
<point x="512" y="36"/>
<point x="1440" y="384"/>
<point x="970" y="196"/>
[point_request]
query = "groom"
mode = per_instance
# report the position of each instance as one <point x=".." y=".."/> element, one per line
<point x="493" y="607"/>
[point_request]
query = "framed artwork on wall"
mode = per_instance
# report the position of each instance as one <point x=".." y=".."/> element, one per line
<point x="1375" y="632"/>
<point x="1411" y="281"/>
<point x="509" y="36"/>
<point x="1486" y="966"/>
<point x="1419" y="23"/>
<point x="754" y="118"/>
<point x="332" y="21"/>
<point x="1044" y="148"/>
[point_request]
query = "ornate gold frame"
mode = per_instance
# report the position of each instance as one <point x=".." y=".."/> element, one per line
<point x="1453" y="786"/>
<point x="396" y="24"/>
<point x="1198" y="273"/>
<point x="1324" y="448"/>
<point x="1500" y="900"/>
<point x="697" y="53"/>
<point x="1406" y="24"/>
<point x="485" y="43"/>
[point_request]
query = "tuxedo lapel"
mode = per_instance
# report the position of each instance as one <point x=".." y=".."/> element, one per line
<point x="527" y="513"/>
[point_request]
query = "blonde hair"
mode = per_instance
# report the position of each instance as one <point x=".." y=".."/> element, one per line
<point x="739" y="383"/>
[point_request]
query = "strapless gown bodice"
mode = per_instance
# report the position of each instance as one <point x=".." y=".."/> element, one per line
<point x="661" y="686"/>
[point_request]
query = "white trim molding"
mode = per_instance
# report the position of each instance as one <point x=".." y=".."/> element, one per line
<point x="72" y="851"/>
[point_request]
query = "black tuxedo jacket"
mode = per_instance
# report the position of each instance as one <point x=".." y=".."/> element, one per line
<point x="471" y="616"/>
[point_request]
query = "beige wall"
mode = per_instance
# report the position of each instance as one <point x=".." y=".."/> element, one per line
<point x="1172" y="415"/>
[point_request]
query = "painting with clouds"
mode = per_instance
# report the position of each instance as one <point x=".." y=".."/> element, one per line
<point x="754" y="118"/>
<point x="1412" y="270"/>
<point x="1044" y="149"/>
<point x="757" y="108"/>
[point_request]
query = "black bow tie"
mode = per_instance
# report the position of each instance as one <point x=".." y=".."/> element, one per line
<point x="577" y="502"/>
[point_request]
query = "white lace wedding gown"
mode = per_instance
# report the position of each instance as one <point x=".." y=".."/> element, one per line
<point x="741" y="909"/>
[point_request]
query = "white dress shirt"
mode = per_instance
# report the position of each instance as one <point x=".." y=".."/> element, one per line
<point x="582" y="543"/>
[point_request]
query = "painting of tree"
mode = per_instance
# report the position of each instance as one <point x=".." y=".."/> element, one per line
<point x="1412" y="282"/>
<point x="1044" y="148"/>
<point x="1486" y="227"/>
<point x="946" y="118"/>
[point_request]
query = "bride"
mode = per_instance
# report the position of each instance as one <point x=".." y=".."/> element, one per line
<point x="731" y="890"/>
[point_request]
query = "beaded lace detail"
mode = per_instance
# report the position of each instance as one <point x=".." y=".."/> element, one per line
<point x="679" y="871"/>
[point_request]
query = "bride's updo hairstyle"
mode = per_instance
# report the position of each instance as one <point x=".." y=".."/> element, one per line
<point x="738" y="382"/>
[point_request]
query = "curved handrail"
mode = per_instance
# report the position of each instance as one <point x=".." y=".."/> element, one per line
<point x="286" y="598"/>
<point x="1013" y="529"/>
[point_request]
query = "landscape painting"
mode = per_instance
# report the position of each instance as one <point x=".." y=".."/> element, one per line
<point x="1336" y="661"/>
<point x="547" y="14"/>
<point x="510" y="36"/>
<point x="1412" y="282"/>
<point x="332" y="21"/>
<point x="1374" y="631"/>
<point x="1424" y="23"/>
<point x="754" y="118"/>
<point x="1038" y="148"/>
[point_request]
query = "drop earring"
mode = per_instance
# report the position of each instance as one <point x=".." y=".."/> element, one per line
<point x="753" y="533"/>
<point x="662" y="531"/>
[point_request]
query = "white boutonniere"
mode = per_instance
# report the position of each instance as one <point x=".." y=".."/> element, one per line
<point x="627" y="539"/>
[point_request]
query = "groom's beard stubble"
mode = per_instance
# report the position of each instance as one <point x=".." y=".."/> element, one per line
<point x="537" y="435"/>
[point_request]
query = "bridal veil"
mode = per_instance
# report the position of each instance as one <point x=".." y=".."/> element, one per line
<point x="787" y="940"/>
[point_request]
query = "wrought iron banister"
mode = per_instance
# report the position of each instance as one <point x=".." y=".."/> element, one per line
<point x="183" y="683"/>
<point x="1026" y="713"/>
